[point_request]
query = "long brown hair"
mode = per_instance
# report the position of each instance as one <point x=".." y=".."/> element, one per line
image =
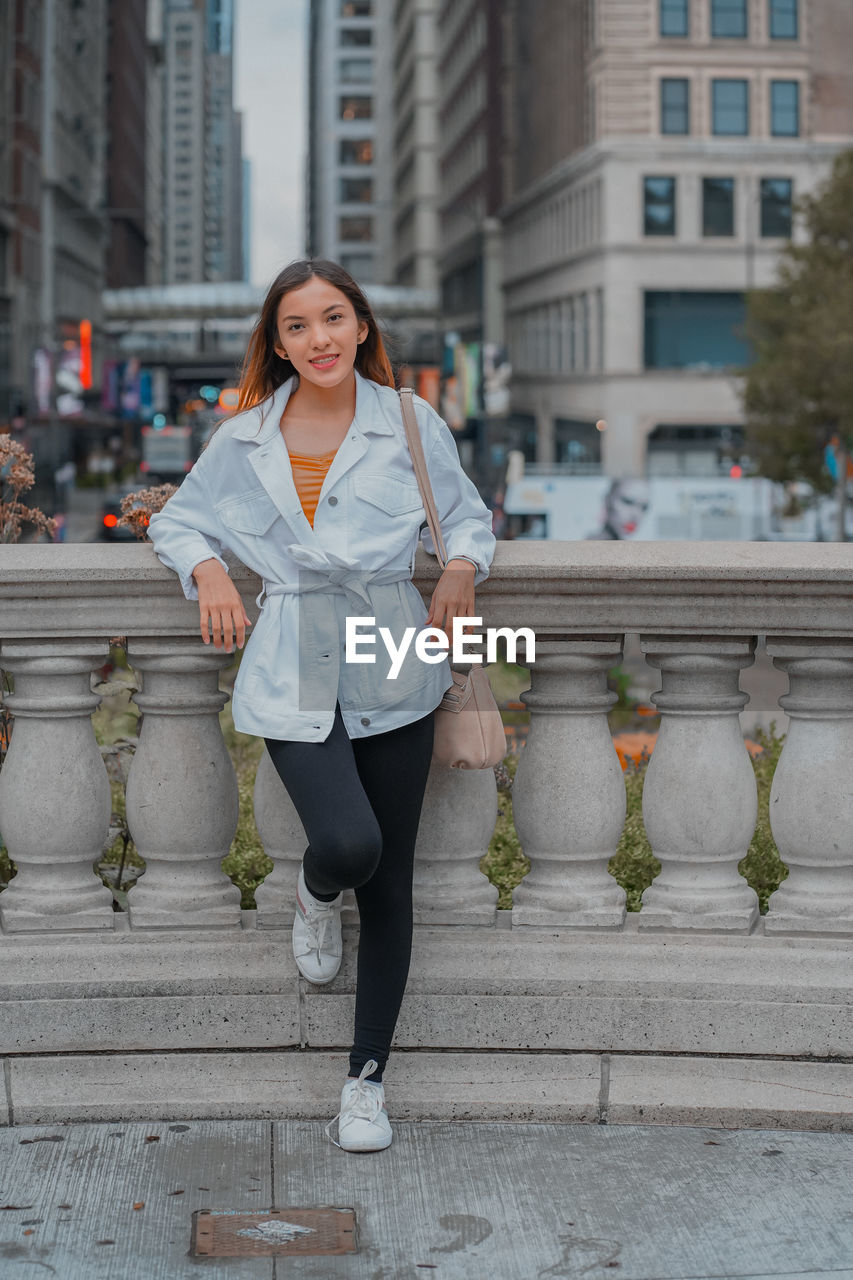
<point x="264" y="371"/>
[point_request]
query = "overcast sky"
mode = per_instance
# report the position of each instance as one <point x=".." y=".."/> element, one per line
<point x="270" y="86"/>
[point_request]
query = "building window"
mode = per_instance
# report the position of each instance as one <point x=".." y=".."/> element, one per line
<point x="696" y="450"/>
<point x="675" y="106"/>
<point x="359" y="265"/>
<point x="577" y="445"/>
<point x="728" y="19"/>
<point x="718" y="206"/>
<point x="785" y="108"/>
<point x="355" y="190"/>
<point x="356" y="108"/>
<point x="730" y="107"/>
<point x="355" y="37"/>
<point x="674" y="19"/>
<point x="356" y="70"/>
<point x="356" y="151"/>
<point x="690" y="330"/>
<point x="355" y="229"/>
<point x="659" y="206"/>
<point x="783" y="20"/>
<point x="356" y="8"/>
<point x="584" y="301"/>
<point x="776" y="207"/>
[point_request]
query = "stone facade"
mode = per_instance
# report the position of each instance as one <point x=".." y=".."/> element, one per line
<point x="416" y="142"/>
<point x="349" y="215"/>
<point x="627" y="256"/>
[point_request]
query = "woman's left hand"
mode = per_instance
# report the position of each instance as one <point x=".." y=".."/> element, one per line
<point x="453" y="597"/>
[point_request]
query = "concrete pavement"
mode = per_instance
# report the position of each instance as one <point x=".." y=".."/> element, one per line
<point x="460" y="1201"/>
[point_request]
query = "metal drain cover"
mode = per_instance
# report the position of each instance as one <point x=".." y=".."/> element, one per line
<point x="227" y="1233"/>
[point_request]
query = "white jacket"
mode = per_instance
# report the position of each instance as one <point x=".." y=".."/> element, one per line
<point x="357" y="560"/>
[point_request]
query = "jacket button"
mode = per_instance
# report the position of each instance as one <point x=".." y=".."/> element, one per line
<point x="365" y="720"/>
<point x="333" y="502"/>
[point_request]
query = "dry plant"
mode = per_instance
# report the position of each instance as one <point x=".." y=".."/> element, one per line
<point x="138" y="508"/>
<point x="16" y="476"/>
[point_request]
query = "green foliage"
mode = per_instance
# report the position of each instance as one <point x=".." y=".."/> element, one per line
<point x="634" y="866"/>
<point x="762" y="868"/>
<point x="505" y="865"/>
<point x="799" y="390"/>
<point x="246" y="863"/>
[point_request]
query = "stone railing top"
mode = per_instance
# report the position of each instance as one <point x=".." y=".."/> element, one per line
<point x="558" y="588"/>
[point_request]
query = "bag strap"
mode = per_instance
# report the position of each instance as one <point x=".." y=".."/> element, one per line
<point x="416" y="449"/>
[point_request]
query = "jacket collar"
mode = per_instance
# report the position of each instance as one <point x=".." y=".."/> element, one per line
<point x="370" y="416"/>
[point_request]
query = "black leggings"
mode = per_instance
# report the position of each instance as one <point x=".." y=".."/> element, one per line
<point x="359" y="801"/>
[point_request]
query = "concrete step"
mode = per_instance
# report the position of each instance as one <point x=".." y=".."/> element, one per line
<point x="547" y="1087"/>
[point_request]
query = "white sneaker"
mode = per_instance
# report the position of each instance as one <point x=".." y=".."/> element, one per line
<point x="362" y="1120"/>
<point x="317" y="942"/>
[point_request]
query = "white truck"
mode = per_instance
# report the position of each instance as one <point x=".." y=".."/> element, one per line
<point x="167" y="452"/>
<point x="543" y="503"/>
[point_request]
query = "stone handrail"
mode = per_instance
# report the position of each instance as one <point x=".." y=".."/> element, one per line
<point x="694" y="976"/>
<point x="698" y="609"/>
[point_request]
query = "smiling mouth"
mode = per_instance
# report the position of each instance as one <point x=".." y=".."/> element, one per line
<point x="323" y="362"/>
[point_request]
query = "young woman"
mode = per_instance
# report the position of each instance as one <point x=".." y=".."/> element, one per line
<point x="311" y="485"/>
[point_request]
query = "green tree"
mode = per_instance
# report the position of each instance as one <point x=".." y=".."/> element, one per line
<point x="798" y="393"/>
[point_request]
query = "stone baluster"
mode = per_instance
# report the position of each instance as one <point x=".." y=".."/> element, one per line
<point x="285" y="841"/>
<point x="54" y="790"/>
<point x="457" y="821"/>
<point x="699" y="798"/>
<point x="811" y="803"/>
<point x="569" y="791"/>
<point x="182" y="801"/>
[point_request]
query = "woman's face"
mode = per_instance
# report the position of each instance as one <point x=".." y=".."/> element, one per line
<point x="319" y="332"/>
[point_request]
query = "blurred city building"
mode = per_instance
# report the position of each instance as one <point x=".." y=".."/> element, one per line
<point x="202" y="162"/>
<point x="349" y="205"/>
<point x="12" y="307"/>
<point x="120" y="164"/>
<point x="155" y="97"/>
<point x="126" y="157"/>
<point x="656" y="149"/>
<point x="55" y="224"/>
<point x="473" y="53"/>
<point x="415" y="159"/>
<point x="246" y="224"/>
<point x="416" y="186"/>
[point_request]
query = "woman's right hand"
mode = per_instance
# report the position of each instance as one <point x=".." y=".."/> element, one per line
<point x="222" y="614"/>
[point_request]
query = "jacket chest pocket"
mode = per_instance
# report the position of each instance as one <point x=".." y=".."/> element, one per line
<point x="394" y="497"/>
<point x="253" y="512"/>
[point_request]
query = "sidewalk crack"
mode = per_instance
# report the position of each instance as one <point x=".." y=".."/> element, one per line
<point x="604" y="1089"/>
<point x="7" y="1084"/>
<point x="273" y="1205"/>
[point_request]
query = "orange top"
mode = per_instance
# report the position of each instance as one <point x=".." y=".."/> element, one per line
<point x="309" y="472"/>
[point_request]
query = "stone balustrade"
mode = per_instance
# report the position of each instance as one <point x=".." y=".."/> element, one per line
<point x="699" y="611"/>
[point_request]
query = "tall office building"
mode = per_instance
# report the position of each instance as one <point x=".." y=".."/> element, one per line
<point x="126" y="157"/>
<point x="155" y="95"/>
<point x="472" y="166"/>
<point x="53" y="226"/>
<point x="349" y="215"/>
<point x="416" y="176"/>
<point x="246" y="223"/>
<point x="656" y="148"/>
<point x="8" y="222"/>
<point x="200" y="167"/>
<point x="236" y="269"/>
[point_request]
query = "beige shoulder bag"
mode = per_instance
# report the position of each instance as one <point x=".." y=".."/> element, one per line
<point x="469" y="732"/>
